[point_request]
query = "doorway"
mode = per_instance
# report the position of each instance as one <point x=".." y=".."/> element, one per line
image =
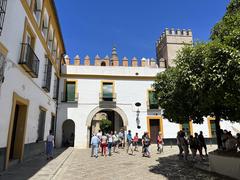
<point x="154" y="127"/>
<point x="17" y="129"/>
<point x="68" y="133"/>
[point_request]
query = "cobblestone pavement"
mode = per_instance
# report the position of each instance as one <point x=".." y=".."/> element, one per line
<point x="122" y="166"/>
<point x="76" y="164"/>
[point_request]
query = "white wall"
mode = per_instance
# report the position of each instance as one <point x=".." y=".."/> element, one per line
<point x="17" y="80"/>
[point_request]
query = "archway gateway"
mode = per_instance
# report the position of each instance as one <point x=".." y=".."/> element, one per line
<point x="115" y="115"/>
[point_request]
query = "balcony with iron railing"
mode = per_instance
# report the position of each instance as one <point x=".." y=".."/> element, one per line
<point x="69" y="98"/>
<point x="153" y="109"/>
<point x="107" y="100"/>
<point x="29" y="60"/>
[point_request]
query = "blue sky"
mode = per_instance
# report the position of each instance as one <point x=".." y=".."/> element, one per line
<point x="93" y="27"/>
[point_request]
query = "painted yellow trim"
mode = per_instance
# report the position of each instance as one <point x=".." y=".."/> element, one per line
<point x="37" y="29"/>
<point x="3" y="49"/>
<point x="108" y="81"/>
<point x="110" y="77"/>
<point x="43" y="108"/>
<point x="148" y="102"/>
<point x="17" y="100"/>
<point x="190" y="127"/>
<point x="209" y="119"/>
<point x="28" y="29"/>
<point x="76" y="86"/>
<point x="160" y="118"/>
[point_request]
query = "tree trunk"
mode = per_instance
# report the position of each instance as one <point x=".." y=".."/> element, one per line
<point x="218" y="132"/>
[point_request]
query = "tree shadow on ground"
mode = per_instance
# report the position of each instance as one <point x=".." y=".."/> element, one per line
<point x="177" y="169"/>
<point x="28" y="167"/>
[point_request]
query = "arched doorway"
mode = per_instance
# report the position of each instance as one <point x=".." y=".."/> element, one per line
<point x="115" y="115"/>
<point x="111" y="115"/>
<point x="68" y="133"/>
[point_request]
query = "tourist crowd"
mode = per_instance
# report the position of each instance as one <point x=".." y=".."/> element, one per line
<point x="107" y="143"/>
<point x="110" y="142"/>
<point x="229" y="142"/>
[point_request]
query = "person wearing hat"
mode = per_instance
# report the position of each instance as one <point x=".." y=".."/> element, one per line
<point x="160" y="142"/>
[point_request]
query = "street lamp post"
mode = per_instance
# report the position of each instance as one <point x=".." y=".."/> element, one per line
<point x="138" y="104"/>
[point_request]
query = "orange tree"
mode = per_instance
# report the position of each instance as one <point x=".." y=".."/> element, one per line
<point x="206" y="79"/>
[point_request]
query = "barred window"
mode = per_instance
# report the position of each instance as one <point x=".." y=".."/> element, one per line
<point x="3" y="6"/>
<point x="41" y="124"/>
<point x="55" y="90"/>
<point x="2" y="67"/>
<point x="47" y="76"/>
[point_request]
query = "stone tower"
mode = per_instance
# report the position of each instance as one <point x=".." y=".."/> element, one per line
<point x="170" y="42"/>
<point x="114" y="58"/>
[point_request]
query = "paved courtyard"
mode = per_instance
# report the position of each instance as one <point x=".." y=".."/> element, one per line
<point x="77" y="164"/>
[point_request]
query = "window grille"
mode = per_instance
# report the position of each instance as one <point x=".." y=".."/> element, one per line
<point x="3" y="6"/>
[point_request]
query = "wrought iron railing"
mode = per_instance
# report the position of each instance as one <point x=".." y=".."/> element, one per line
<point x="29" y="60"/>
<point x="3" y="6"/>
<point x="66" y="98"/>
<point x="107" y="97"/>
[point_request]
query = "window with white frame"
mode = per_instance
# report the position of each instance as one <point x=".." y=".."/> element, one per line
<point x="37" y="9"/>
<point x="45" y="24"/>
<point x="54" y="53"/>
<point x="50" y="39"/>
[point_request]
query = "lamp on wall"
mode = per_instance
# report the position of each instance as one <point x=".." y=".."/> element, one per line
<point x="138" y="104"/>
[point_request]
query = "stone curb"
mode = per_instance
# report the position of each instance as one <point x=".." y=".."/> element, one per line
<point x="51" y="169"/>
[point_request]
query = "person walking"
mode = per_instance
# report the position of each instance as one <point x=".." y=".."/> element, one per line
<point x="129" y="142"/>
<point x="135" y="142"/>
<point x="160" y="143"/>
<point x="146" y="145"/>
<point x="121" y="138"/>
<point x="184" y="144"/>
<point x="202" y="142"/>
<point x="193" y="146"/>
<point x="99" y="135"/>
<point x="197" y="142"/>
<point x="115" y="141"/>
<point x="110" y="143"/>
<point x="95" y="143"/>
<point x="104" y="145"/>
<point x="179" y="143"/>
<point x="50" y="145"/>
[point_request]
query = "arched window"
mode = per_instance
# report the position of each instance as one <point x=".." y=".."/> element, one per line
<point x="103" y="63"/>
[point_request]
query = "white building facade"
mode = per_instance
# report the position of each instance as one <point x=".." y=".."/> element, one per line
<point x="30" y="53"/>
<point x="121" y="92"/>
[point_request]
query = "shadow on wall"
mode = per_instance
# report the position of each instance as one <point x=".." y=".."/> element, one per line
<point x="28" y="167"/>
<point x="68" y="133"/>
<point x="174" y="168"/>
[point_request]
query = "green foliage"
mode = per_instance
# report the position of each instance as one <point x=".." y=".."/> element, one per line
<point x="105" y="125"/>
<point x="206" y="79"/>
<point x="227" y="31"/>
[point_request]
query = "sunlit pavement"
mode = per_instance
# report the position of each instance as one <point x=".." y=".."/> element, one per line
<point x="77" y="164"/>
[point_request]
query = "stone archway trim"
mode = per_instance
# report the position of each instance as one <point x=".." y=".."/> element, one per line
<point x="97" y="109"/>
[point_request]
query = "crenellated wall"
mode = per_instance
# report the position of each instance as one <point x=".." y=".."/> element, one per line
<point x="169" y="43"/>
<point x="107" y="61"/>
